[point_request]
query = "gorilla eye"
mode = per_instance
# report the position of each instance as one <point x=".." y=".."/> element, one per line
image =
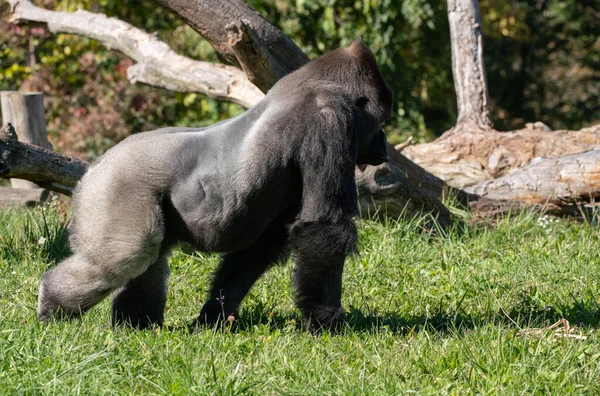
<point x="362" y="102"/>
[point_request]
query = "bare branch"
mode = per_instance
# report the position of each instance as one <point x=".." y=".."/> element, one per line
<point x="157" y="65"/>
<point x="253" y="56"/>
<point x="243" y="37"/>
<point x="50" y="170"/>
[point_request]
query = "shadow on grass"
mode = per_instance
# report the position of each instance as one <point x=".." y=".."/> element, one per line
<point x="522" y="315"/>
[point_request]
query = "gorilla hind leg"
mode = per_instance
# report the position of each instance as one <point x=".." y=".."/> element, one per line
<point x="141" y="302"/>
<point x="71" y="288"/>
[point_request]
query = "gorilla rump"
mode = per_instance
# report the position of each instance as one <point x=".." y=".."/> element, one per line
<point x="276" y="179"/>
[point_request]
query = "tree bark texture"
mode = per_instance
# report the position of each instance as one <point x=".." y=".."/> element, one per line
<point x="157" y="64"/>
<point x="557" y="182"/>
<point x="469" y="155"/>
<point x="26" y="111"/>
<point x="472" y="152"/>
<point x="468" y="69"/>
<point x="242" y="37"/>
<point x="44" y="167"/>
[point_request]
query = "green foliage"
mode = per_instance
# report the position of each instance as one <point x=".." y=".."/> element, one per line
<point x="426" y="314"/>
<point x="542" y="59"/>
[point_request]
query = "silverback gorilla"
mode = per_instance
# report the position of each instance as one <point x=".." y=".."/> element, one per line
<point x="278" y="178"/>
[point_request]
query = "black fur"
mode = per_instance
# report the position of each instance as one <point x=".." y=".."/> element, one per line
<point x="276" y="179"/>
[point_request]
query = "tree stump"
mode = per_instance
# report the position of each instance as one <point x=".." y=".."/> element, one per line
<point x="25" y="111"/>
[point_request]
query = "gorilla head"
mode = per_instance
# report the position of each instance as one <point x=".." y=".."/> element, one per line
<point x="277" y="179"/>
<point x="352" y="72"/>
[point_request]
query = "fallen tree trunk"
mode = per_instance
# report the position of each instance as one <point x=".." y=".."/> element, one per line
<point x="384" y="191"/>
<point x="555" y="182"/>
<point x="467" y="155"/>
<point x="473" y="152"/>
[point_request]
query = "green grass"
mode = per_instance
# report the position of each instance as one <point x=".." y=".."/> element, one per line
<point x="430" y="314"/>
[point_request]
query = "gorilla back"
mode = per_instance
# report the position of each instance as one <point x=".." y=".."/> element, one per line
<point x="278" y="178"/>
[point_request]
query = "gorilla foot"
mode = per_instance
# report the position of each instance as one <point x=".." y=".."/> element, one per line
<point x="48" y="310"/>
<point x="49" y="306"/>
<point x="324" y="318"/>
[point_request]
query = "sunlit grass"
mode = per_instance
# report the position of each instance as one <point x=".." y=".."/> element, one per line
<point x="433" y="314"/>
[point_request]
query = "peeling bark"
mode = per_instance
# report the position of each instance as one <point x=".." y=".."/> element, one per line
<point x="469" y="154"/>
<point x="243" y="37"/>
<point x="473" y="152"/>
<point x="211" y="17"/>
<point x="253" y="56"/>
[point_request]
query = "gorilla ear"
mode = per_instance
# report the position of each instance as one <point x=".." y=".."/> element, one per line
<point x="357" y="47"/>
<point x="359" y="50"/>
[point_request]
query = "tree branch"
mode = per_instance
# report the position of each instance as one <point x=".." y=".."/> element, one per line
<point x="218" y="20"/>
<point x="242" y="36"/>
<point x="253" y="56"/>
<point x="158" y="65"/>
<point x="47" y="168"/>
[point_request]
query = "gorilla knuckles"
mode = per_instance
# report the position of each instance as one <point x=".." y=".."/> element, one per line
<point x="278" y="178"/>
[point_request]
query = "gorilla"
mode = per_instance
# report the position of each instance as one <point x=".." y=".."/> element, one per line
<point x="277" y="179"/>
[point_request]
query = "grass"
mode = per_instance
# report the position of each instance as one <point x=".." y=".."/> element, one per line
<point x="429" y="314"/>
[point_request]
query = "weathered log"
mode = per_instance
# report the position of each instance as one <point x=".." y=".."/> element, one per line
<point x="548" y="181"/>
<point x="25" y="110"/>
<point x="465" y="156"/>
<point x="472" y="152"/>
<point x="253" y="56"/>
<point x="44" y="167"/>
<point x="385" y="190"/>
<point x="157" y="64"/>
